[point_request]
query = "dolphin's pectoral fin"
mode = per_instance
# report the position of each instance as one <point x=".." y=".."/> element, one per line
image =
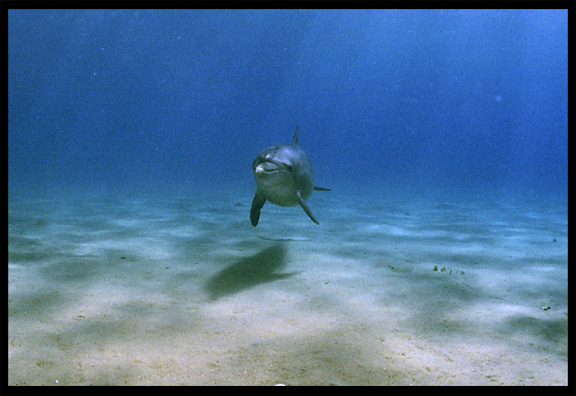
<point x="306" y="208"/>
<point x="257" y="203"/>
<point x="316" y="188"/>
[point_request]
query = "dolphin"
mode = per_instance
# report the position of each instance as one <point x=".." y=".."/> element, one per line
<point x="284" y="177"/>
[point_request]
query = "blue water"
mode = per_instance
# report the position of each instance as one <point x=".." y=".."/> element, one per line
<point x="153" y="99"/>
<point x="442" y="251"/>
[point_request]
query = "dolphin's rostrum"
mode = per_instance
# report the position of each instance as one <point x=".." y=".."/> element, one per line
<point x="284" y="177"/>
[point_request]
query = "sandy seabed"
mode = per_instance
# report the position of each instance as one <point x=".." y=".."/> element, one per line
<point x="389" y="289"/>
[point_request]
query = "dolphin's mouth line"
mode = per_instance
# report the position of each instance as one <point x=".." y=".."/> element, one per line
<point x="270" y="166"/>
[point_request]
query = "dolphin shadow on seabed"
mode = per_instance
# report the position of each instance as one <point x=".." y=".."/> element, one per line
<point x="249" y="272"/>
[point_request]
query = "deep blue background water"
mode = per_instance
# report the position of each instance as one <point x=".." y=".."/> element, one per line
<point x="417" y="98"/>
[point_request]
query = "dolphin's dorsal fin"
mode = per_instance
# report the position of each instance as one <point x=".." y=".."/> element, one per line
<point x="295" y="141"/>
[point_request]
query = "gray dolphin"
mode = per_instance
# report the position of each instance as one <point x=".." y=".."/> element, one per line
<point x="284" y="177"/>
